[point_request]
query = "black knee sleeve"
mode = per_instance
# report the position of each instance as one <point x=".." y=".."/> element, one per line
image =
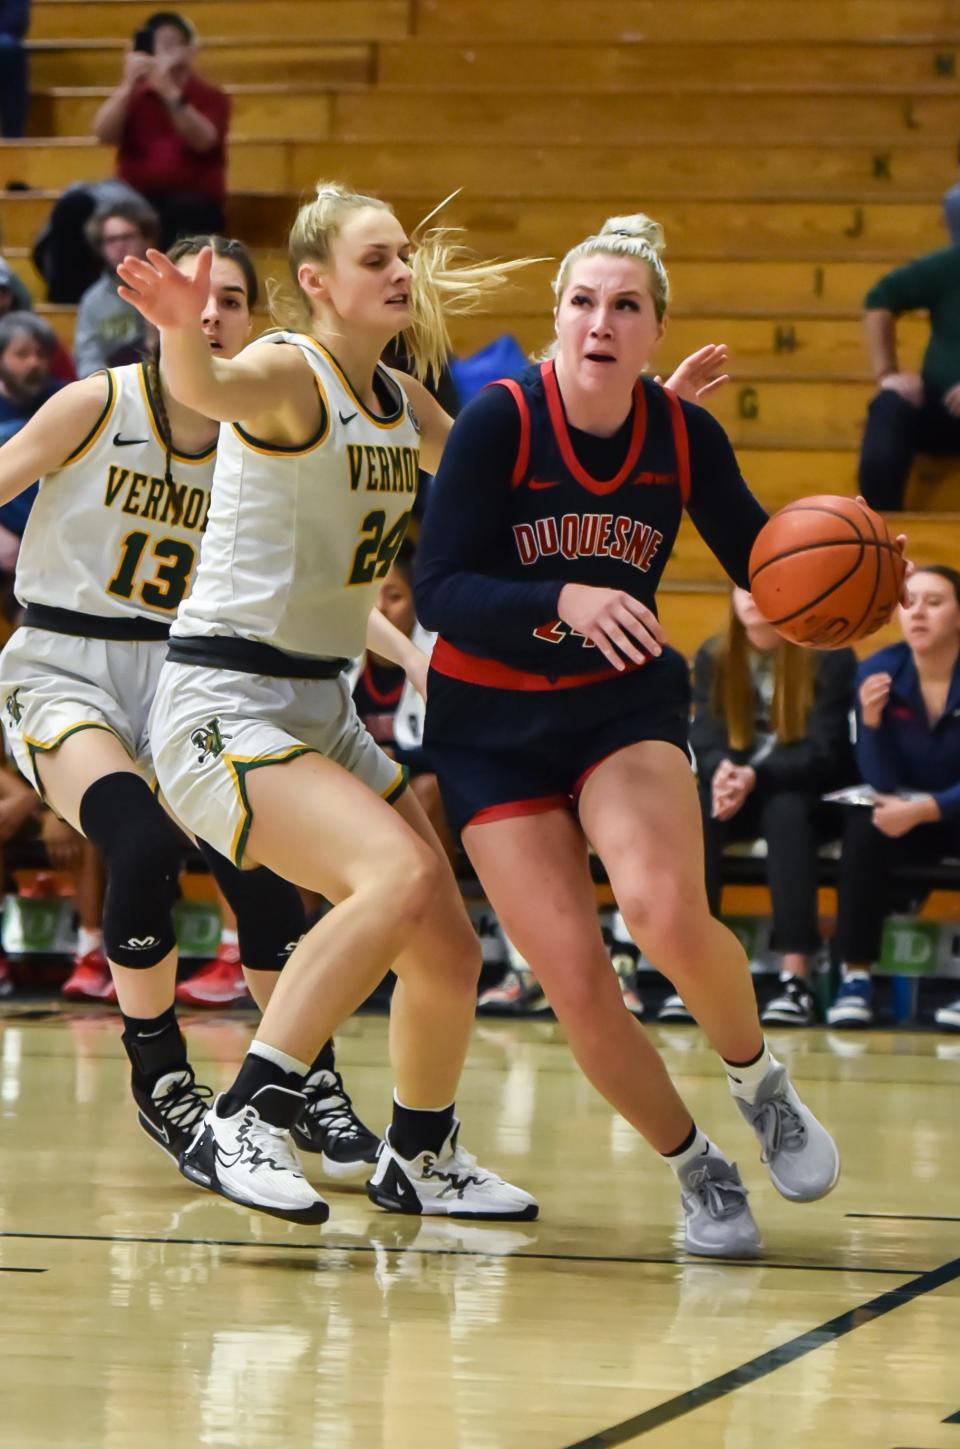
<point x="269" y="911"/>
<point x="142" y="851"/>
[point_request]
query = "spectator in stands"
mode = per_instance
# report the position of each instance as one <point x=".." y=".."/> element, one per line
<point x="14" y="90"/>
<point x="908" y="749"/>
<point x="913" y="411"/>
<point x="14" y="297"/>
<point x="951" y="209"/>
<point x="60" y="253"/>
<point x="170" y="129"/>
<point x="771" y="733"/>
<point x="24" y="818"/>
<point x="109" y="332"/>
<point x="27" y="345"/>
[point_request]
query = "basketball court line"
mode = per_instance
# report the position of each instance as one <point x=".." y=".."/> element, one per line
<point x="24" y="1270"/>
<point x="906" y="1217"/>
<point x="520" y="1255"/>
<point x="952" y="1418"/>
<point x="774" y="1358"/>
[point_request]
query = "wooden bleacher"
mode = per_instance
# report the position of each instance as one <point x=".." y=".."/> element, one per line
<point x="793" y="154"/>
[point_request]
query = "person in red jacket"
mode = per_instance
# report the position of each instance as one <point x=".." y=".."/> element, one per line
<point x="170" y="129"/>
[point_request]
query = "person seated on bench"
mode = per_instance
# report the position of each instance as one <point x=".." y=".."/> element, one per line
<point x="771" y="733"/>
<point x="908" y="749"/>
<point x="912" y="412"/>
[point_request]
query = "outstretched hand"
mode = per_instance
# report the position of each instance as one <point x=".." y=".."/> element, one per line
<point x="162" y="293"/>
<point x="699" y="374"/>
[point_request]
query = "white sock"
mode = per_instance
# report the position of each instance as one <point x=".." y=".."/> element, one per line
<point x="513" y="955"/>
<point x="403" y="1106"/>
<point x="229" y="938"/>
<point x="698" y="1148"/>
<point x="744" y="1081"/>
<point x="279" y="1058"/>
<point x="88" y="941"/>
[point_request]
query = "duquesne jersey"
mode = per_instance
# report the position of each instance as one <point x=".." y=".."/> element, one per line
<point x="107" y="535"/>
<point x="564" y="524"/>
<point x="299" y="539"/>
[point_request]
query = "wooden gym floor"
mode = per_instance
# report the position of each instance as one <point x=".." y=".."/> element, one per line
<point x="138" y="1312"/>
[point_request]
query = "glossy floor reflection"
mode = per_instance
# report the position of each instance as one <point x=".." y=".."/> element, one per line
<point x="136" y="1311"/>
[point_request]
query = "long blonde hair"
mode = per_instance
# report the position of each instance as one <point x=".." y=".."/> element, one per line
<point x="636" y="236"/>
<point x="446" y="282"/>
<point x="733" y="691"/>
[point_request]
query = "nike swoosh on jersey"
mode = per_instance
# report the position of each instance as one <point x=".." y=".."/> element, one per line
<point x="347" y="418"/>
<point x="119" y="442"/>
<point x="542" y="483"/>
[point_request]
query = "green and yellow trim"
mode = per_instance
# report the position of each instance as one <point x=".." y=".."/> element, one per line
<point x="43" y="747"/>
<point x="293" y="450"/>
<point x="151" y="407"/>
<point x="400" y="782"/>
<point x="96" y="431"/>
<point x="240" y="767"/>
<point x="378" y="421"/>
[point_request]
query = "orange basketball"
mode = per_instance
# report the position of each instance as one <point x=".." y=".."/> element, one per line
<point x="824" y="571"/>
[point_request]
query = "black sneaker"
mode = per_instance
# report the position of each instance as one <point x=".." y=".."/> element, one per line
<point x="673" y="1009"/>
<point x="792" y="1005"/>
<point x="329" y="1125"/>
<point x="173" y="1110"/>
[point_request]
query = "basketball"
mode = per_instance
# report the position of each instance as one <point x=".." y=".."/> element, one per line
<point x="824" y="571"/>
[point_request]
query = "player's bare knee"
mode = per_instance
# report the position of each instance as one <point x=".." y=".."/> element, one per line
<point x="671" y="924"/>
<point x="406" y="884"/>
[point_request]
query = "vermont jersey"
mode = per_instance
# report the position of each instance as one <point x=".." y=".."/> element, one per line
<point x="108" y="536"/>
<point x="299" y="539"/>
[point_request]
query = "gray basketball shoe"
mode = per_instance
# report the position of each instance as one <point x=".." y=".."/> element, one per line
<point x="799" y="1153"/>
<point x="718" y="1221"/>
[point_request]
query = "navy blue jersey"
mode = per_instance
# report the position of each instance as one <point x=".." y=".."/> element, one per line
<point x="376" y="695"/>
<point x="523" y="504"/>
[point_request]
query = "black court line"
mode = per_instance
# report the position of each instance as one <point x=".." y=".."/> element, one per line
<point x="906" y="1217"/>
<point x="953" y="1418"/>
<point x="24" y="1270"/>
<point x="774" y="1358"/>
<point x="335" y="1247"/>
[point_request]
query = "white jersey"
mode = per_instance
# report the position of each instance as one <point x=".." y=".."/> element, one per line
<point x="299" y="539"/>
<point x="107" y="535"/>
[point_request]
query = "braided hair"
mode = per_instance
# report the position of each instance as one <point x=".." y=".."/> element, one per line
<point x="191" y="246"/>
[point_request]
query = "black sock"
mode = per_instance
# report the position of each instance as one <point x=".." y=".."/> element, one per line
<point x="324" y="1061"/>
<point x="413" y="1131"/>
<point x="685" y="1145"/>
<point x="154" y="1045"/>
<point x="256" y="1072"/>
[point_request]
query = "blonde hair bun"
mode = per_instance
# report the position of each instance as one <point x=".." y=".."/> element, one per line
<point x="639" y="226"/>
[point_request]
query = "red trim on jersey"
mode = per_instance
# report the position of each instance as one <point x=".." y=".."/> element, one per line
<point x="582" y="779"/>
<point x="457" y="664"/>
<point x="513" y="809"/>
<point x="558" y="418"/>
<point x="378" y="697"/>
<point x="523" y="449"/>
<point x="681" y="443"/>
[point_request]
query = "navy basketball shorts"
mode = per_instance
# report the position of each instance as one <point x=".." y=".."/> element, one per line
<point x="503" y="752"/>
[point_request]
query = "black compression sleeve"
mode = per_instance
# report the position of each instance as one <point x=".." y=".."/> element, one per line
<point x="466" y="530"/>
<point x="724" y="511"/>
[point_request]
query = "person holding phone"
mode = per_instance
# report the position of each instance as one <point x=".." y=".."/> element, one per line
<point x="170" y="128"/>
